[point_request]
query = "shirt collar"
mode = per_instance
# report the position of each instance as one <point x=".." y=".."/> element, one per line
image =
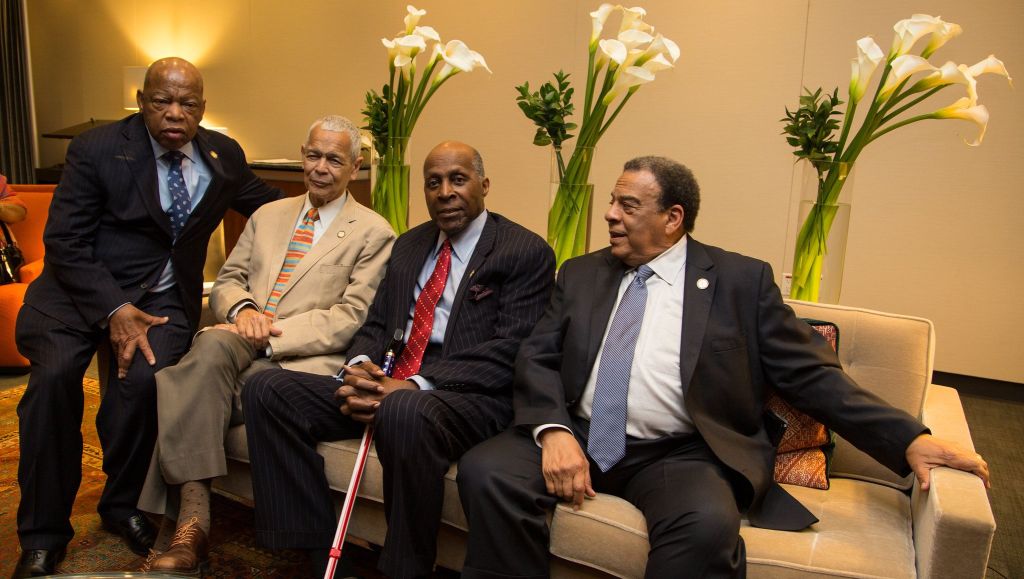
<point x="328" y="211"/>
<point x="159" y="150"/>
<point x="465" y="241"/>
<point x="670" y="262"/>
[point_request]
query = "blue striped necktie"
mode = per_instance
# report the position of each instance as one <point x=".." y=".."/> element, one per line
<point x="181" y="203"/>
<point x="606" y="443"/>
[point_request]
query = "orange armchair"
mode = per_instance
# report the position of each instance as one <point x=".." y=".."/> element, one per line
<point x="30" y="239"/>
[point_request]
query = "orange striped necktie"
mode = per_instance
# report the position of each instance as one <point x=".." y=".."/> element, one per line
<point x="302" y="241"/>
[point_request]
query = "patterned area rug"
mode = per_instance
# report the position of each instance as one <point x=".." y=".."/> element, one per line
<point x="233" y="550"/>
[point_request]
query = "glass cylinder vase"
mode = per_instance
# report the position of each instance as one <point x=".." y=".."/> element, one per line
<point x="390" y="177"/>
<point x="821" y="231"/>
<point x="571" y="197"/>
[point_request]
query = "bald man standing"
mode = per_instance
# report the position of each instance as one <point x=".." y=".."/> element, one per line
<point x="125" y="247"/>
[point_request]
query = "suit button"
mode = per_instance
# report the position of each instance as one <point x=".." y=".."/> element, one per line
<point x="144" y="285"/>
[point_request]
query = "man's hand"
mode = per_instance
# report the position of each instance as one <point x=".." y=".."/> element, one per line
<point x="255" y="327"/>
<point x="365" y="386"/>
<point x="128" y="327"/>
<point x="565" y="467"/>
<point x="927" y="452"/>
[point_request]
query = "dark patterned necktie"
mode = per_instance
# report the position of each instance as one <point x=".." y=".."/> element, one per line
<point x="606" y="443"/>
<point x="181" y="203"/>
<point x="423" y="315"/>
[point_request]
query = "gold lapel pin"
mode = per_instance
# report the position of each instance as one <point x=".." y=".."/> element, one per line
<point x="341" y="234"/>
<point x="213" y="154"/>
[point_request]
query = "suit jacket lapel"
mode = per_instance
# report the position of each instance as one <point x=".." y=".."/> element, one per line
<point x="138" y="154"/>
<point x="282" y="223"/>
<point x="481" y="252"/>
<point x="696" y="307"/>
<point x="606" y="289"/>
<point x="212" y="160"/>
<point x="405" y="278"/>
<point x="335" y="234"/>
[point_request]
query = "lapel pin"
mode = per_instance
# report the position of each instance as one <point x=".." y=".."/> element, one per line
<point x="702" y="283"/>
<point x="213" y="154"/>
<point x="341" y="234"/>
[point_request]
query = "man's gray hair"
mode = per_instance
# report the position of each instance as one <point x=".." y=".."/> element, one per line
<point x="338" y="124"/>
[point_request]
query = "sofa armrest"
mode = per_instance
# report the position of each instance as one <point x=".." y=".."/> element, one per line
<point x="30" y="271"/>
<point x="953" y="522"/>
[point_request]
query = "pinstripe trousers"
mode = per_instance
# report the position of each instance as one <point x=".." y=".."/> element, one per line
<point x="50" y="418"/>
<point x="417" y="435"/>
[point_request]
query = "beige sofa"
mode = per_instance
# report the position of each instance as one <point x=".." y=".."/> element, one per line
<point x="872" y="523"/>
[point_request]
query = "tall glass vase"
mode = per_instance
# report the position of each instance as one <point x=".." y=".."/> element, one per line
<point x="571" y="200"/>
<point x="822" y="228"/>
<point x="390" y="195"/>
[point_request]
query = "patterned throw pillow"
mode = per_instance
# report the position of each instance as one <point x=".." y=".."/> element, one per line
<point x="805" y="449"/>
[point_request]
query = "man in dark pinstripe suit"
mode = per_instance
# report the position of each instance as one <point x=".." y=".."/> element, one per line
<point x="498" y="279"/>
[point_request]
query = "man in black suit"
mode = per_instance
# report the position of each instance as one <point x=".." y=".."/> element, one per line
<point x="647" y="378"/>
<point x="125" y="247"/>
<point x="480" y="282"/>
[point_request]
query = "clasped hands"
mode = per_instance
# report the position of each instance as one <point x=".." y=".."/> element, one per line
<point x="253" y="327"/>
<point x="365" y="385"/>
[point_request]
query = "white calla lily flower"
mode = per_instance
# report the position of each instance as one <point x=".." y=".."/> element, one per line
<point x="944" y="32"/>
<point x="634" y="38"/>
<point x="597" y="19"/>
<point x="657" y="64"/>
<point x="458" y="58"/>
<point x="902" y="68"/>
<point x="909" y="31"/>
<point x="949" y="73"/>
<point x="633" y="19"/>
<point x="412" y="17"/>
<point x="869" y="55"/>
<point x="665" y="46"/>
<point x="964" y="109"/>
<point x="613" y="50"/>
<point x="990" y="65"/>
<point x="427" y="33"/>
<point x="628" y="78"/>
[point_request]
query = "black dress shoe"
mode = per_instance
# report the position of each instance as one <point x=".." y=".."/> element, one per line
<point x="136" y="531"/>
<point x="38" y="562"/>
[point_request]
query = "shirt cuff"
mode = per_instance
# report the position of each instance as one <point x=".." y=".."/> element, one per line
<point x="106" y="323"/>
<point x="537" y="430"/>
<point x="353" y="362"/>
<point x="422" y="382"/>
<point x="233" y="312"/>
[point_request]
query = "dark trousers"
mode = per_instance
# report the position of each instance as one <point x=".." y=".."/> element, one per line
<point x="417" y="435"/>
<point x="684" y="492"/>
<point x="50" y="418"/>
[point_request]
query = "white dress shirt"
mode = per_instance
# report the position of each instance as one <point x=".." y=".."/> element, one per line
<point x="654" y="406"/>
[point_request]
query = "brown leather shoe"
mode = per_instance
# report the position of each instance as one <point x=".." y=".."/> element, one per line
<point x="187" y="552"/>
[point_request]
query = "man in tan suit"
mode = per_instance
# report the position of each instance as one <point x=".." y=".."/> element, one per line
<point x="292" y="294"/>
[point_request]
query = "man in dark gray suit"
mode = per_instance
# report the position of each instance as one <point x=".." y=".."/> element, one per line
<point x="647" y="378"/>
<point x="125" y="246"/>
<point x="464" y="289"/>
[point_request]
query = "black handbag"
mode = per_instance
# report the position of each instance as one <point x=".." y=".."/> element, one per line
<point x="11" y="258"/>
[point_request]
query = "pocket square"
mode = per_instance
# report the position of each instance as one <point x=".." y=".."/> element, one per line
<point x="478" y="292"/>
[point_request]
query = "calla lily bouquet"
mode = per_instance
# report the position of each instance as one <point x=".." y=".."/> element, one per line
<point x="392" y="114"/>
<point x="616" y="69"/>
<point x="906" y="80"/>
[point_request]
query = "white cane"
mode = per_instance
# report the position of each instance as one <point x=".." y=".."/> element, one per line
<point x="388" y="367"/>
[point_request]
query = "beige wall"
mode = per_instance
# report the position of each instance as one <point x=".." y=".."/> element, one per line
<point x="933" y="222"/>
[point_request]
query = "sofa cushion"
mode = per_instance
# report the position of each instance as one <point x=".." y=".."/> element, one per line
<point x="891" y="356"/>
<point x="864" y="531"/>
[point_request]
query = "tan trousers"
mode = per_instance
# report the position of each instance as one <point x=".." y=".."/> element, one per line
<point x="198" y="399"/>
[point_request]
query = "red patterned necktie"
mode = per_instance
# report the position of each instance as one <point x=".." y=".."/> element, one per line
<point x="423" y="316"/>
<point x="301" y="243"/>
